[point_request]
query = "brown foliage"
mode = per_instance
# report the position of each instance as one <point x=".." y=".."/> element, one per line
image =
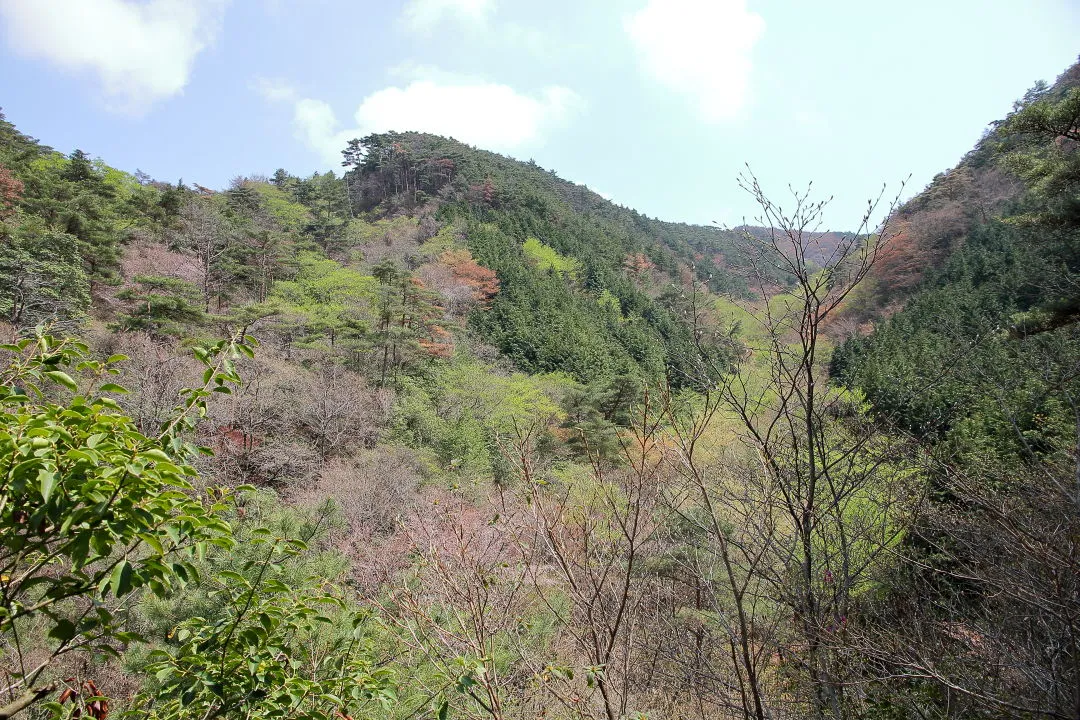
<point x="482" y="282"/>
<point x="11" y="189"/>
<point x="375" y="491"/>
<point x="932" y="224"/>
<point x="639" y="266"/>
<point x="439" y="343"/>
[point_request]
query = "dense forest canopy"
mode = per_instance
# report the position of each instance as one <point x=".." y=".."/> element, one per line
<point x="448" y="436"/>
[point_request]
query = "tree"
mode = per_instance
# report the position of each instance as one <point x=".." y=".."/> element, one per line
<point x="797" y="526"/>
<point x="11" y="189"/>
<point x="464" y="611"/>
<point x="275" y="648"/>
<point x="326" y="303"/>
<point x="41" y="277"/>
<point x="206" y="233"/>
<point x="479" y="282"/>
<point x="160" y="305"/>
<point x="590" y="538"/>
<point x="406" y="316"/>
<point x="91" y="509"/>
<point x="265" y="220"/>
<point x="325" y="195"/>
<point x="89" y="215"/>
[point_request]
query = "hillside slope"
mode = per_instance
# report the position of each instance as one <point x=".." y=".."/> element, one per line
<point x="986" y="183"/>
<point x="483" y="445"/>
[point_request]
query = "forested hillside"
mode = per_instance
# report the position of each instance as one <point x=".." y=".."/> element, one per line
<point x="448" y="436"/>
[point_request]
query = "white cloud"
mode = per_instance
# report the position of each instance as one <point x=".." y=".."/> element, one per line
<point x="701" y="48"/>
<point x="141" y="52"/>
<point x="425" y="16"/>
<point x="489" y="115"/>
<point x="274" y="90"/>
<point x="410" y="72"/>
<point x="318" y="127"/>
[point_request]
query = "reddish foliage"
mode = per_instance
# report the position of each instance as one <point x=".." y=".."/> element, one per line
<point x="230" y="438"/>
<point x="639" y="265"/>
<point x="485" y="193"/>
<point x="97" y="709"/>
<point x="930" y="226"/>
<point x="444" y="167"/>
<point x="440" y="344"/>
<point x="903" y="260"/>
<point x="481" y="281"/>
<point x="11" y="189"/>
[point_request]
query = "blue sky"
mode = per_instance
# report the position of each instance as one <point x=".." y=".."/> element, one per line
<point x="655" y="103"/>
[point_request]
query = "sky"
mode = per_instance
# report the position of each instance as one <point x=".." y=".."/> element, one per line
<point x="658" y="105"/>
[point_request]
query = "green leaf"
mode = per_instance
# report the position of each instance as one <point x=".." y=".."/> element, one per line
<point x="114" y="388"/>
<point x="120" y="580"/>
<point x="61" y="377"/>
<point x="233" y="576"/>
<point x="47" y="480"/>
<point x="63" y="631"/>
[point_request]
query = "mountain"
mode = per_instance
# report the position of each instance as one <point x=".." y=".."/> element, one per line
<point x="982" y="264"/>
<point x="985" y="184"/>
<point x="587" y="287"/>
<point x="449" y="436"/>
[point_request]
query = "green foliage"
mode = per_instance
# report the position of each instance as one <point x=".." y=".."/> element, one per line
<point x="325" y="303"/>
<point x="272" y="649"/>
<point x="69" y="211"/>
<point x="465" y="410"/>
<point x="545" y="258"/>
<point x="160" y="305"/>
<point x="290" y="215"/>
<point x="92" y="512"/>
<point x="596" y="413"/>
<point x="327" y="200"/>
<point x="1045" y="127"/>
<point x="444" y="240"/>
<point x="41" y="277"/>
<point x="74" y="197"/>
<point x="406" y="327"/>
<point x="539" y="322"/>
<point x="555" y="247"/>
<point x="90" y="508"/>
<point x="979" y="356"/>
<point x="405" y="169"/>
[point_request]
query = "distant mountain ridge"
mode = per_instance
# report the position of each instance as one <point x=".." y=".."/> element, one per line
<point x="401" y="171"/>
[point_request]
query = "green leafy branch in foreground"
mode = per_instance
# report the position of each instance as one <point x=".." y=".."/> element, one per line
<point x="91" y="510"/>
<point x="277" y="651"/>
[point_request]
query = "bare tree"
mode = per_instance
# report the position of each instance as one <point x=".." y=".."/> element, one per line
<point x="205" y="232"/>
<point x="463" y="611"/>
<point x="831" y="485"/>
<point x="795" y="522"/>
<point x="589" y="540"/>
